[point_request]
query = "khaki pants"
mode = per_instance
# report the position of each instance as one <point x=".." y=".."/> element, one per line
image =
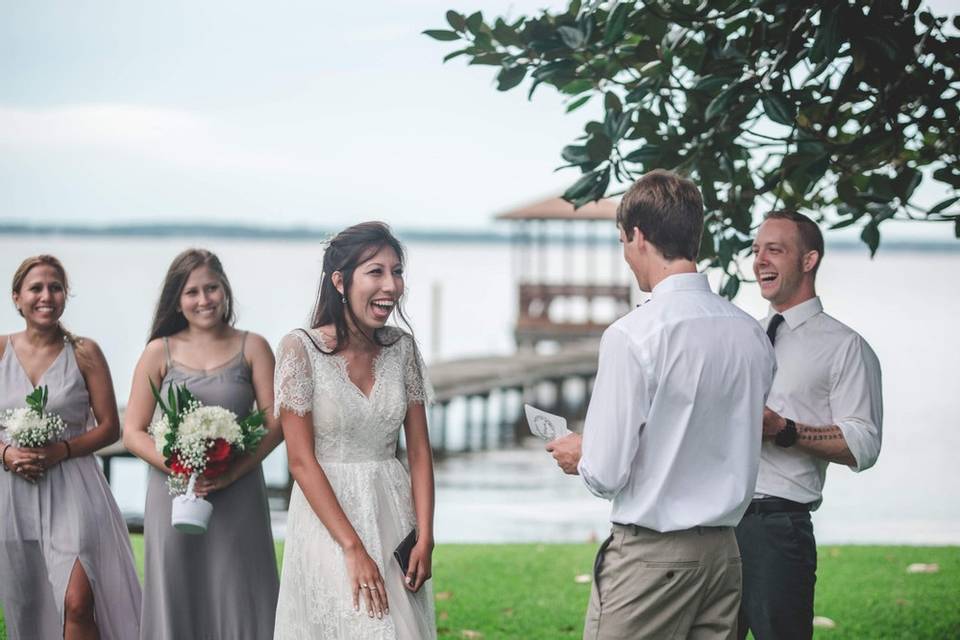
<point x="681" y="584"/>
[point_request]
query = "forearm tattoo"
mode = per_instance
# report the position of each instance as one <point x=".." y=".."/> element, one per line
<point x="819" y="433"/>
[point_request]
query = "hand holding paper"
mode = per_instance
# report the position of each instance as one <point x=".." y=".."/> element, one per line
<point x="545" y="425"/>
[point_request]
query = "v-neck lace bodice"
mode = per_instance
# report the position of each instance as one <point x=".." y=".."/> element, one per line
<point x="348" y="425"/>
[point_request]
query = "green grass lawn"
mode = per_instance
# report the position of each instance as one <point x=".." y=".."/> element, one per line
<point x="530" y="592"/>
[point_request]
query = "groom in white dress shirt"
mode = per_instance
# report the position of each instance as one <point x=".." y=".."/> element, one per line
<point x="672" y="433"/>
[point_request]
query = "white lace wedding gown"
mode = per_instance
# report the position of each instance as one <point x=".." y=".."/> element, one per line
<point x="355" y="441"/>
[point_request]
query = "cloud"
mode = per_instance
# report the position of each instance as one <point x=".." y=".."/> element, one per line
<point x="173" y="137"/>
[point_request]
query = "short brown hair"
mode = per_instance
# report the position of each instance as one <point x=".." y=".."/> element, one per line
<point x="668" y="209"/>
<point x="811" y="238"/>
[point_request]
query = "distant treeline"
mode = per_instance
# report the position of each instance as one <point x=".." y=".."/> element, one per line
<point x="446" y="236"/>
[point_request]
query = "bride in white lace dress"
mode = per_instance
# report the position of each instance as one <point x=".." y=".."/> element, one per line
<point x="344" y="388"/>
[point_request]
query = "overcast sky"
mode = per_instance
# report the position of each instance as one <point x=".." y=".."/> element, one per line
<point x="323" y="113"/>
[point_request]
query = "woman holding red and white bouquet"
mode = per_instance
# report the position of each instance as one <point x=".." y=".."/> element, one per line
<point x="222" y="583"/>
<point x="66" y="567"/>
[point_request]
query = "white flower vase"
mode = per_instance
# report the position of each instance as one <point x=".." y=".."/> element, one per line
<point x="190" y="513"/>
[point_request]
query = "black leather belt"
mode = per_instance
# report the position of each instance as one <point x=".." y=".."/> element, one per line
<point x="775" y="505"/>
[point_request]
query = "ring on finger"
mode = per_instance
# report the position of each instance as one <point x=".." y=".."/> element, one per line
<point x="363" y="585"/>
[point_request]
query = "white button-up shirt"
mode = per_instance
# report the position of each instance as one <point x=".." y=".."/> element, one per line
<point x="672" y="433"/>
<point x="826" y="375"/>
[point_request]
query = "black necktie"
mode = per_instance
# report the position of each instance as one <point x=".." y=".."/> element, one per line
<point x="775" y="323"/>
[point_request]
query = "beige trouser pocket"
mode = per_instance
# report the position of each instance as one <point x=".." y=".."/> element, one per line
<point x="674" y="585"/>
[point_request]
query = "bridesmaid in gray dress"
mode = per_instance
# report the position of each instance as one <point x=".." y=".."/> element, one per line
<point x="223" y="583"/>
<point x="66" y="567"/>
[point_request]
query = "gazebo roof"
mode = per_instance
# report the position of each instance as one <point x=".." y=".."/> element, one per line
<point x="560" y="209"/>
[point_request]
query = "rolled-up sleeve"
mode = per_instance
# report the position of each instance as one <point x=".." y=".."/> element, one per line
<point x="618" y="408"/>
<point x="856" y="401"/>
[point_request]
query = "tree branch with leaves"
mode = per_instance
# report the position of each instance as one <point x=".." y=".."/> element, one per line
<point x="839" y="109"/>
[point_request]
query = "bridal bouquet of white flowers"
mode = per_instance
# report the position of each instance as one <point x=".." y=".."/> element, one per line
<point x="33" y="426"/>
<point x="197" y="440"/>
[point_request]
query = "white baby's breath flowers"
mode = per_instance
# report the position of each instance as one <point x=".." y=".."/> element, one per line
<point x="27" y="428"/>
<point x="198" y="427"/>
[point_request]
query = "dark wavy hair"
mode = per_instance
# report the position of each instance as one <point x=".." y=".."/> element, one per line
<point x="167" y="318"/>
<point x="345" y="252"/>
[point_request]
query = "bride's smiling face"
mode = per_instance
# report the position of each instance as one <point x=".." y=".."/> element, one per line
<point x="375" y="289"/>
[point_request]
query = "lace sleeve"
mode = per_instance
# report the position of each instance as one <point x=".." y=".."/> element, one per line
<point x="293" y="381"/>
<point x="417" y="383"/>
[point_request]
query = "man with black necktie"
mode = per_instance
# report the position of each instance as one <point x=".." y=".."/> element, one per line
<point x="825" y="406"/>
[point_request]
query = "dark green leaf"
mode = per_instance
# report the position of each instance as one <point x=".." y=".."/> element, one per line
<point x="506" y="34"/>
<point x="778" y="108"/>
<point x="871" y="236"/>
<point x="943" y="206"/>
<point x="510" y="77"/>
<point x="579" y="102"/>
<point x="572" y="37"/>
<point x="577" y="86"/>
<point x="843" y="223"/>
<point x="956" y="227"/>
<point x="730" y="287"/>
<point x="557" y="67"/>
<point x="582" y="186"/>
<point x="906" y="183"/>
<point x="475" y="22"/>
<point x="442" y="35"/>
<point x="491" y="59"/>
<point x="880" y="188"/>
<point x="611" y="102"/>
<point x="710" y="84"/>
<point x="827" y="41"/>
<point x="636" y="95"/>
<point x="599" y="147"/>
<point x="722" y="102"/>
<point x="456" y="20"/>
<point x="944" y="174"/>
<point x="615" y="24"/>
<point x="643" y="155"/>
<point x="451" y="56"/>
<point x="575" y="154"/>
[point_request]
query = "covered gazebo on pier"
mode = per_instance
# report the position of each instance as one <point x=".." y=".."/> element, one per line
<point x="571" y="279"/>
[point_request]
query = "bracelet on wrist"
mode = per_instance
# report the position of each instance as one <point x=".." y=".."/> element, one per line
<point x="3" y="458"/>
<point x="69" y="453"/>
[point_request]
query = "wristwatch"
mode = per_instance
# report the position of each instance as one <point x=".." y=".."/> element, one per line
<point x="787" y="436"/>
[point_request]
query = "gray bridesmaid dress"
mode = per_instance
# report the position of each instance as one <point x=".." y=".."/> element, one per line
<point x="224" y="583"/>
<point x="69" y="515"/>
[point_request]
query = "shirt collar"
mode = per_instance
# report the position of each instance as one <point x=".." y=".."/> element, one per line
<point x="682" y="282"/>
<point x="799" y="313"/>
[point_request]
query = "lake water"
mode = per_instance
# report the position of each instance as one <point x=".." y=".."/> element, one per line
<point x="904" y="303"/>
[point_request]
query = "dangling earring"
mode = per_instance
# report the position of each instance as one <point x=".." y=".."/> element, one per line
<point x="343" y="299"/>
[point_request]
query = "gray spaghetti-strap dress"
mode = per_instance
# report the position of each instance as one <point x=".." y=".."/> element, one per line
<point x="223" y="583"/>
<point x="69" y="515"/>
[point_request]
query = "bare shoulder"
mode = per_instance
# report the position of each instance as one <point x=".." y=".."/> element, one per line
<point x="88" y="349"/>
<point x="256" y="346"/>
<point x="89" y="356"/>
<point x="153" y="354"/>
<point x="3" y="345"/>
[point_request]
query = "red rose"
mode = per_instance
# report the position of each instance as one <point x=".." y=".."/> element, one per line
<point x="176" y="466"/>
<point x="218" y="458"/>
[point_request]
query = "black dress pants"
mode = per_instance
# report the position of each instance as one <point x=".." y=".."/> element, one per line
<point x="779" y="572"/>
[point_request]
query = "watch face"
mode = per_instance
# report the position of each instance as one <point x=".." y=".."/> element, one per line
<point x="787" y="436"/>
